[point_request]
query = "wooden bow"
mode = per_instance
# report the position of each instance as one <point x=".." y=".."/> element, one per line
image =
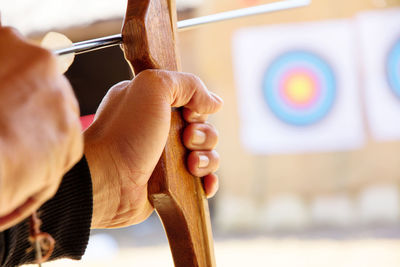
<point x="149" y="42"/>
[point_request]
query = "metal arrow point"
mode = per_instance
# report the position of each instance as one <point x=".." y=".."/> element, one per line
<point x="113" y="40"/>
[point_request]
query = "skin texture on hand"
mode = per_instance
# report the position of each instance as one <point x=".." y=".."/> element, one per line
<point x="40" y="134"/>
<point x="129" y="133"/>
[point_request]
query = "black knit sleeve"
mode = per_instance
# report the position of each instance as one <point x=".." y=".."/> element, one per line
<point x="66" y="217"/>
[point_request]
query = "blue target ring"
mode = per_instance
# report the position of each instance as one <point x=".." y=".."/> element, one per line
<point x="393" y="68"/>
<point x="299" y="87"/>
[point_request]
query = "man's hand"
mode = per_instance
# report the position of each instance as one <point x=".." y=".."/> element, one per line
<point x="40" y="134"/>
<point x="129" y="133"/>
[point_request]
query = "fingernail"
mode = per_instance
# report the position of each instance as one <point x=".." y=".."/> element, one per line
<point x="203" y="161"/>
<point x="195" y="116"/>
<point x="198" y="138"/>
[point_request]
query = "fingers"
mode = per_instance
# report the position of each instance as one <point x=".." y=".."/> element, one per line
<point x="210" y="184"/>
<point x="202" y="163"/>
<point x="192" y="116"/>
<point x="200" y="136"/>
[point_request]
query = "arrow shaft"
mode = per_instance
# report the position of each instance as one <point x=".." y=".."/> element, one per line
<point x="113" y="40"/>
<point x="240" y="13"/>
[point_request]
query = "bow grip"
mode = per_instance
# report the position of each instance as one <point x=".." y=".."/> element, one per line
<point x="149" y="42"/>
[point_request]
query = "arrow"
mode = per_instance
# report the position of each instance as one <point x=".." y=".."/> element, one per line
<point x="113" y="40"/>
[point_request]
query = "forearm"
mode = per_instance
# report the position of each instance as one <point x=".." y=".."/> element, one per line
<point x="66" y="217"/>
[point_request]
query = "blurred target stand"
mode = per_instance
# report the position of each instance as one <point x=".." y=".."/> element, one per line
<point x="332" y="172"/>
<point x="302" y="147"/>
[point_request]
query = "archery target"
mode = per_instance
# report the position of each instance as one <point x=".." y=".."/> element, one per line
<point x="393" y="68"/>
<point x="380" y="47"/>
<point x="299" y="88"/>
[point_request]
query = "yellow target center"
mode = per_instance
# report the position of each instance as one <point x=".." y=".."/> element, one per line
<point x="300" y="88"/>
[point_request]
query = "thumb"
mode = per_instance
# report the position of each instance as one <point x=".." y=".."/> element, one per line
<point x="180" y="90"/>
<point x="191" y="93"/>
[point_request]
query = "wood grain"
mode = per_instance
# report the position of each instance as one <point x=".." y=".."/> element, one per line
<point x="149" y="37"/>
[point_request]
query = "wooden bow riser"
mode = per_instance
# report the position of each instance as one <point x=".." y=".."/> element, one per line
<point x="149" y="41"/>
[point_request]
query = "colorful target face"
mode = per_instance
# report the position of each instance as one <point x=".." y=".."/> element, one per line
<point x="393" y="68"/>
<point x="380" y="53"/>
<point x="299" y="88"/>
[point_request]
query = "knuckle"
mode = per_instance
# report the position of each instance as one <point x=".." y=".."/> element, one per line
<point x="196" y="79"/>
<point x="198" y="83"/>
<point x="163" y="80"/>
<point x="9" y="31"/>
<point x="46" y="57"/>
<point x="120" y="86"/>
<point x="41" y="61"/>
<point x="155" y="76"/>
<point x="146" y="74"/>
<point x="118" y="89"/>
<point x="115" y="90"/>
